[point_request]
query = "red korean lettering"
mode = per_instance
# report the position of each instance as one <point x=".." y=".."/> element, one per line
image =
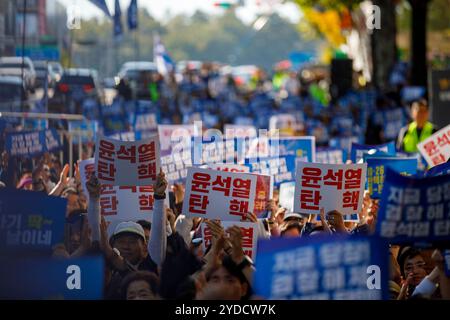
<point x="309" y="199"/>
<point x="430" y="148"/>
<point x="352" y="178"/>
<point x="146" y="202"/>
<point x="334" y="178"/>
<point x="147" y="170"/>
<point x="106" y="150"/>
<point x="147" y="152"/>
<point x="238" y="207"/>
<point x="198" y="203"/>
<point x="222" y="184"/>
<point x="443" y="140"/>
<point x="241" y="188"/>
<point x="125" y="153"/>
<point x="350" y="199"/>
<point x="106" y="170"/>
<point x="200" y="182"/>
<point x="311" y="177"/>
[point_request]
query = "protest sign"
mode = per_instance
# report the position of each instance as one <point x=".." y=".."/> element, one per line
<point x="145" y="122"/>
<point x="249" y="236"/>
<point x="86" y="128"/>
<point x="175" y="166"/>
<point x="376" y="169"/>
<point x="329" y="186"/>
<point x="357" y="150"/>
<point x="219" y="195"/>
<point x="228" y="167"/>
<point x="52" y="279"/>
<point x="33" y="143"/>
<point x="322" y="268"/>
<point x="286" y="196"/>
<point x="282" y="168"/>
<point x="330" y="156"/>
<point x="440" y="169"/>
<point x="120" y="203"/>
<point x="26" y="223"/>
<point x="301" y="147"/>
<point x="127" y="163"/>
<point x="436" y="149"/>
<point x="414" y="209"/>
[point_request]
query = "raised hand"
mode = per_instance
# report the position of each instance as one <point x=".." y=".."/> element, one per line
<point x="93" y="186"/>
<point x="161" y="184"/>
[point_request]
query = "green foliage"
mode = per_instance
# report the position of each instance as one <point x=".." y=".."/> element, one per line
<point x="223" y="38"/>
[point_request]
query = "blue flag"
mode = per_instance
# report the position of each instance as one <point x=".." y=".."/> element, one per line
<point x="101" y="4"/>
<point x="52" y="279"/>
<point x="414" y="209"/>
<point x="164" y="62"/>
<point x="30" y="221"/>
<point x="118" y="29"/>
<point x="132" y="15"/>
<point x="322" y="268"/>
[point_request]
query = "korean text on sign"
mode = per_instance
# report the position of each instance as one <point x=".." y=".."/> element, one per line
<point x="249" y="236"/>
<point x="414" y="208"/>
<point x="122" y="163"/>
<point x="331" y="268"/>
<point x="219" y="195"/>
<point x="331" y="186"/>
<point x="376" y="171"/>
<point x="436" y="149"/>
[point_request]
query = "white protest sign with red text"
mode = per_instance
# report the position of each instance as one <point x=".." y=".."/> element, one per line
<point x="249" y="236"/>
<point x="221" y="195"/>
<point x="120" y="203"/>
<point x="127" y="163"/>
<point x="331" y="186"/>
<point x="436" y="149"/>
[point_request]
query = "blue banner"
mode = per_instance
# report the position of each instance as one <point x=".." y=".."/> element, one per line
<point x="443" y="168"/>
<point x="358" y="150"/>
<point x="101" y="4"/>
<point x="52" y="279"/>
<point x="376" y="172"/>
<point x="30" y="220"/>
<point x="446" y="256"/>
<point x="322" y="268"/>
<point x="113" y="124"/>
<point x="132" y="15"/>
<point x="331" y="155"/>
<point x="87" y="128"/>
<point x="31" y="143"/>
<point x="414" y="209"/>
<point x="118" y="29"/>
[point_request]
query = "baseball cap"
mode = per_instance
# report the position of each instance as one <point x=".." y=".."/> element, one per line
<point x="290" y="215"/>
<point x="129" y="227"/>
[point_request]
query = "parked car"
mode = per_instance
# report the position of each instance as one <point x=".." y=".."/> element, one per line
<point x="12" y="66"/>
<point x="138" y="75"/>
<point x="44" y="69"/>
<point x="77" y="85"/>
<point x="11" y="93"/>
<point x="57" y="69"/>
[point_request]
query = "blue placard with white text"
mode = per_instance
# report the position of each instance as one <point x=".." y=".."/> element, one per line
<point x="31" y="143"/>
<point x="30" y="220"/>
<point x="52" y="279"/>
<point x="322" y="268"/>
<point x="414" y="209"/>
<point x="358" y="150"/>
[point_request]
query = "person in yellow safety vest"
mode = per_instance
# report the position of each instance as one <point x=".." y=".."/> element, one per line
<point x="418" y="130"/>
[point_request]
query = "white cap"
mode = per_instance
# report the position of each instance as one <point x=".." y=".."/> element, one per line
<point x="131" y="227"/>
<point x="293" y="215"/>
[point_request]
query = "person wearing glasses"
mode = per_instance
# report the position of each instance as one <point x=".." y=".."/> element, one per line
<point x="413" y="270"/>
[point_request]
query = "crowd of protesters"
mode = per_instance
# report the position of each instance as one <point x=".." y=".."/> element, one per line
<point x="163" y="258"/>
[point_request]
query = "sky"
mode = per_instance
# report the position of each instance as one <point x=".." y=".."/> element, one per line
<point x="163" y="9"/>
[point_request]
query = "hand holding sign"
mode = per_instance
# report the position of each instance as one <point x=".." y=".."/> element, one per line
<point x="160" y="185"/>
<point x="93" y="186"/>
